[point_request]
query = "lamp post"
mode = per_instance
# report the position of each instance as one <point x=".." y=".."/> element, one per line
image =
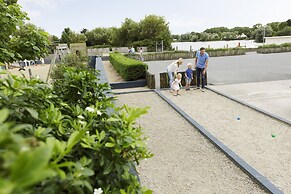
<point x="264" y="34"/>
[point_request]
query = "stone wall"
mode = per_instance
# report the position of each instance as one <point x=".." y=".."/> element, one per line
<point x="150" y="78"/>
<point x="80" y="48"/>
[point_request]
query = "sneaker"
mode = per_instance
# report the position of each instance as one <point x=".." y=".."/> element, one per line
<point x="197" y="88"/>
<point x="203" y="90"/>
<point x="175" y="94"/>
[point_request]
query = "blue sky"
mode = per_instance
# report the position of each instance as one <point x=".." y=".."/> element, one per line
<point x="183" y="15"/>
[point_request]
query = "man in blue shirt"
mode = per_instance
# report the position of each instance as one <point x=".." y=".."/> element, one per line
<point x="201" y="64"/>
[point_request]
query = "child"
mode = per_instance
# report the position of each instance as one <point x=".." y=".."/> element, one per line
<point x="188" y="76"/>
<point x="177" y="84"/>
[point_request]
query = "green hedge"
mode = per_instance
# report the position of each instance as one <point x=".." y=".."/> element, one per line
<point x="128" y="69"/>
<point x="275" y="45"/>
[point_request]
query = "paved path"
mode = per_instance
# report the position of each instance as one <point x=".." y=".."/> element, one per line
<point x="40" y="70"/>
<point x="239" y="69"/>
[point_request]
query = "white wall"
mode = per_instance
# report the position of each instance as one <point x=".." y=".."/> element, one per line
<point x="278" y="40"/>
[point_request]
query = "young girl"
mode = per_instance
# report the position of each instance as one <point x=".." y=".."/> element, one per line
<point x="177" y="84"/>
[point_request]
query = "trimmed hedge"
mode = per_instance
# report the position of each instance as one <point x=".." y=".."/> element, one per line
<point x="274" y="48"/>
<point x="128" y="69"/>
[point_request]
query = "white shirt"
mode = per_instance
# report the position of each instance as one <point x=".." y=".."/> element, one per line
<point x="173" y="67"/>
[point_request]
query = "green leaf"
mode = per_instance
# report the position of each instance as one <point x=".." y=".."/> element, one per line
<point x="109" y="145"/>
<point x="111" y="119"/>
<point x="32" y="112"/>
<point x="74" y="139"/>
<point x="102" y="136"/>
<point x="122" y="191"/>
<point x="21" y="127"/>
<point x="87" y="172"/>
<point x="31" y="167"/>
<point x="4" y="113"/>
<point x="108" y="168"/>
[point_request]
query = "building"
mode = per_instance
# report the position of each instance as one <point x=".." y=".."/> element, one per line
<point x="278" y="40"/>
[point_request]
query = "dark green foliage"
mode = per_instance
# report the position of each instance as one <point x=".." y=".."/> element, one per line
<point x="67" y="137"/>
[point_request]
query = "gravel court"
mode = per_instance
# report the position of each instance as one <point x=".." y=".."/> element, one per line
<point x="184" y="161"/>
<point x="250" y="137"/>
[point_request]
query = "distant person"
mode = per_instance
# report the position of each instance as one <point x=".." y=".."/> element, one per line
<point x="132" y="50"/>
<point x="176" y="84"/>
<point x="201" y="64"/>
<point x="172" y="71"/>
<point x="141" y="53"/>
<point x="188" y="76"/>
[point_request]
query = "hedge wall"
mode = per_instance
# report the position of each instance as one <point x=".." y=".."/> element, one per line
<point x="128" y="69"/>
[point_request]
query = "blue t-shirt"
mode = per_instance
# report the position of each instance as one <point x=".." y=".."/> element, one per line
<point x="189" y="73"/>
<point x="201" y="59"/>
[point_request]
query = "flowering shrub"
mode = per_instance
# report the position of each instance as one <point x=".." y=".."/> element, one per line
<point x="62" y="138"/>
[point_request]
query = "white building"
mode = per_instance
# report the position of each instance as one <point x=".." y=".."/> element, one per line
<point x="278" y="40"/>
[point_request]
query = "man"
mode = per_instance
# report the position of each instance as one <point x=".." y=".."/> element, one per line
<point x="201" y="64"/>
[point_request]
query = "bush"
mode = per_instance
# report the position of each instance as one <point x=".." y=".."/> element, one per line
<point x="67" y="138"/>
<point x="275" y="45"/>
<point x="128" y="69"/>
<point x="70" y="60"/>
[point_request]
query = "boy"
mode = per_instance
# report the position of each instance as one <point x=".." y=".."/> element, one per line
<point x="188" y="76"/>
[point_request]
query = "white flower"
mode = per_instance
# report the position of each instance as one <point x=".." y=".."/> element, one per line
<point x="89" y="109"/>
<point x="24" y="148"/>
<point x="98" y="191"/>
<point x="99" y="112"/>
<point x="82" y="122"/>
<point x="81" y="117"/>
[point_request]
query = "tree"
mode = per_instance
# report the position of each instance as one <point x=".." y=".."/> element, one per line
<point x="243" y="30"/>
<point x="69" y="36"/>
<point x="262" y="32"/>
<point x="30" y="42"/>
<point x="288" y="22"/>
<point x="11" y="17"/>
<point x="128" y="33"/>
<point x="217" y="30"/>
<point x="284" y="32"/>
<point x="98" y="36"/>
<point x="155" y="28"/>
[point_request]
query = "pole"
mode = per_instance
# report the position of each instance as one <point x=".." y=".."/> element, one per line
<point x="264" y="35"/>
<point x="156" y="47"/>
<point x="162" y="45"/>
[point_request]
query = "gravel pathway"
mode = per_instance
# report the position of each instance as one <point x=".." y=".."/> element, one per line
<point x="261" y="141"/>
<point x="111" y="73"/>
<point x="184" y="161"/>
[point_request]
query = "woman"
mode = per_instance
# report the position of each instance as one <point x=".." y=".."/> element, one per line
<point x="172" y="71"/>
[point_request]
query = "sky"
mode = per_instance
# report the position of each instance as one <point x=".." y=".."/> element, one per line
<point x="183" y="15"/>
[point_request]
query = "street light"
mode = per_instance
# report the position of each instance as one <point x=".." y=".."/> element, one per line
<point x="264" y="35"/>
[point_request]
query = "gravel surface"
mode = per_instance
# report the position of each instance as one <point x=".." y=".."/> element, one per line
<point x="184" y="161"/>
<point x="250" y="137"/>
<point x="39" y="70"/>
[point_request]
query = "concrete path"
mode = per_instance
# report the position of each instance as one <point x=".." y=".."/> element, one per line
<point x="239" y="69"/>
